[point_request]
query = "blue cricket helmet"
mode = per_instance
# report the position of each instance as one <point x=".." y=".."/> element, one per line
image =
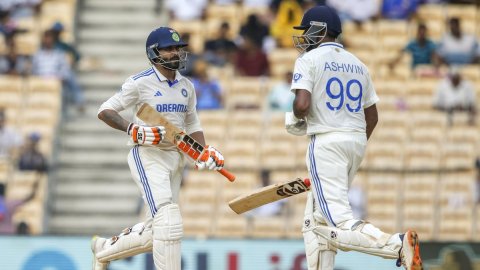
<point x="164" y="37"/>
<point x="324" y="14"/>
<point x="316" y="23"/>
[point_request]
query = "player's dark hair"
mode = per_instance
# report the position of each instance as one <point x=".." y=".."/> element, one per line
<point x="2" y="189"/>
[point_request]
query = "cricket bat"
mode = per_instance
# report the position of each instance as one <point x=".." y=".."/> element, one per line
<point x="268" y="195"/>
<point x="175" y="135"/>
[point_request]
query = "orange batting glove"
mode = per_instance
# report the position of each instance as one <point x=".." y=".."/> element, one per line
<point x="146" y="135"/>
<point x="210" y="158"/>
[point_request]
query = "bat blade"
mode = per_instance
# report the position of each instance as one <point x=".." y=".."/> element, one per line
<point x="268" y="195"/>
<point x="175" y="135"/>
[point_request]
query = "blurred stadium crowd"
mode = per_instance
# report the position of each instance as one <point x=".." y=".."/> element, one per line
<point x="420" y="170"/>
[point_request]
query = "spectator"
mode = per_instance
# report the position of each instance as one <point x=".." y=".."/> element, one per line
<point x="7" y="26"/>
<point x="31" y="159"/>
<point x="57" y="30"/>
<point x="457" y="47"/>
<point x="455" y="94"/>
<point x="257" y="3"/>
<point x="25" y="8"/>
<point x="208" y="91"/>
<point x="13" y="64"/>
<point x="221" y="50"/>
<point x="399" y="9"/>
<point x="186" y="10"/>
<point x="10" y="140"/>
<point x="8" y="208"/>
<point x="254" y="30"/>
<point x="280" y="97"/>
<point x="358" y="11"/>
<point x="289" y="13"/>
<point x="421" y="48"/>
<point x="251" y="60"/>
<point x="52" y="63"/>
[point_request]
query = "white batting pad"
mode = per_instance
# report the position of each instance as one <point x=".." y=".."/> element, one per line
<point x="132" y="241"/>
<point x="167" y="235"/>
<point x="362" y="237"/>
<point x="320" y="254"/>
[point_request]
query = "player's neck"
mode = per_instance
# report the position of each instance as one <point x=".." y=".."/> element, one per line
<point x="328" y="39"/>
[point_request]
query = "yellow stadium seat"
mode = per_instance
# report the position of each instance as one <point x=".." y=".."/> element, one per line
<point x="38" y="84"/>
<point x="241" y="154"/>
<point x="431" y="134"/>
<point x="26" y="43"/>
<point x="422" y="156"/>
<point x="458" y="155"/>
<point x="387" y="155"/>
<point x="268" y="227"/>
<point x="382" y="200"/>
<point x="277" y="155"/>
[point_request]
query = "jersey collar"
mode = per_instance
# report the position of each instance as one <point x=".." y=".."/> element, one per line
<point x="162" y="78"/>
<point x="334" y="44"/>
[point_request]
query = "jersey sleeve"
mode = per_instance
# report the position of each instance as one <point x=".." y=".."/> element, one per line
<point x="303" y="75"/>
<point x="124" y="99"/>
<point x="370" y="94"/>
<point x="192" y="122"/>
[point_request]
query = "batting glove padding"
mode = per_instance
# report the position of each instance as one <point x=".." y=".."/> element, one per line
<point x="146" y="135"/>
<point x="211" y="158"/>
<point x="294" y="125"/>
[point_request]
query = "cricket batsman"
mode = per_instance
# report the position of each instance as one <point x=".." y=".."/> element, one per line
<point x="335" y="105"/>
<point x="156" y="166"/>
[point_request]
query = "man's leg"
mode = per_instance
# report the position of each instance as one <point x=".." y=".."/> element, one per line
<point x="320" y="254"/>
<point x="331" y="165"/>
<point x="132" y="241"/>
<point x="167" y="235"/>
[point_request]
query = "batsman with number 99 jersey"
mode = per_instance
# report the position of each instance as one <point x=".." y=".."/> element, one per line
<point x="335" y="105"/>
<point x="341" y="88"/>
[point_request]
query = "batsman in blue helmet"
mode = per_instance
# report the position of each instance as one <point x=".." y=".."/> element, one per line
<point x="335" y="106"/>
<point x="156" y="165"/>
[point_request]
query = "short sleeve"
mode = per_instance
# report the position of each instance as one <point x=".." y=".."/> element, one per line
<point x="370" y="94"/>
<point x="303" y="75"/>
<point x="127" y="97"/>
<point x="192" y="122"/>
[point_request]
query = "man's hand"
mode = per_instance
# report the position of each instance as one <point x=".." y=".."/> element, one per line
<point x="294" y="125"/>
<point x="146" y="135"/>
<point x="211" y="158"/>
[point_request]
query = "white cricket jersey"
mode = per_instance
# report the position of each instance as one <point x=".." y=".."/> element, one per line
<point x="175" y="100"/>
<point x="341" y="88"/>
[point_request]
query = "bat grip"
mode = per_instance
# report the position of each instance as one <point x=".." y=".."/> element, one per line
<point x="230" y="176"/>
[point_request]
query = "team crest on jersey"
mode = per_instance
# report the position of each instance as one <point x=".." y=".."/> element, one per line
<point x="296" y="77"/>
<point x="184" y="92"/>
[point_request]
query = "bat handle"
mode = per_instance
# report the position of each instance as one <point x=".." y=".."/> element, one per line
<point x="230" y="176"/>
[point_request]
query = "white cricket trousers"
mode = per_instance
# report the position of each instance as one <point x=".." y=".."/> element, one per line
<point x="158" y="174"/>
<point x="333" y="160"/>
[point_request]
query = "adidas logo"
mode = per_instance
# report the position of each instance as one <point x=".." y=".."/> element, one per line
<point x="158" y="94"/>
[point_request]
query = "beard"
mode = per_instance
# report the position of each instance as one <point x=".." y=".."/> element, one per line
<point x="172" y="63"/>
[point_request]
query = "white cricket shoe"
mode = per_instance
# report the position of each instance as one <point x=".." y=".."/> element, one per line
<point x="97" y="244"/>
<point x="410" y="252"/>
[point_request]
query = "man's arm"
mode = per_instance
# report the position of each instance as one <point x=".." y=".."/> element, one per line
<point x="113" y="119"/>
<point x="371" y="118"/>
<point x="301" y="104"/>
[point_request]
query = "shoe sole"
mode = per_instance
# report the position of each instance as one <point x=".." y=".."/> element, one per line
<point x="415" y="244"/>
